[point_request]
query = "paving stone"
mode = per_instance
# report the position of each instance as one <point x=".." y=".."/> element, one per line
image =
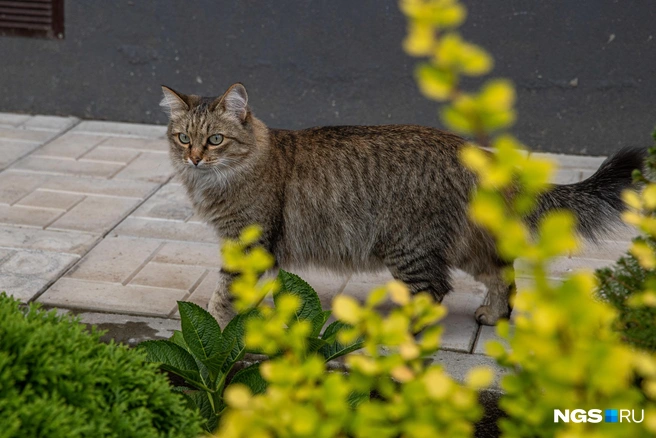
<point x="24" y="274"/>
<point x="28" y="216"/>
<point x="195" y="218"/>
<point x="48" y="199"/>
<point x="111" y="297"/>
<point x="95" y="214"/>
<point x="170" y="202"/>
<point x="460" y="331"/>
<point x="166" y="230"/>
<point x="93" y="186"/>
<point x="327" y="286"/>
<point x="45" y="164"/>
<point x="567" y="176"/>
<point x="604" y="250"/>
<point x="70" y="145"/>
<point x="360" y="291"/>
<point x="360" y="286"/>
<point x="15" y="185"/>
<point x="137" y="144"/>
<point x="457" y="365"/>
<point x="525" y="286"/>
<point x="525" y="283"/>
<point x="13" y="120"/>
<point x="14" y="150"/>
<point x="114" y="155"/>
<point x="373" y="278"/>
<point x="487" y="333"/>
<point x="21" y="287"/>
<point x="189" y="253"/>
<point x="46" y="240"/>
<point x="585" y="174"/>
<point x="148" y="166"/>
<point x="561" y="267"/>
<point x="202" y="294"/>
<point x="26" y="135"/>
<point x="36" y="263"/>
<point x="51" y="123"/>
<point x="114" y="259"/>
<point x="5" y="253"/>
<point x="125" y="129"/>
<point x="168" y="275"/>
<point x="460" y="327"/>
<point x="572" y="161"/>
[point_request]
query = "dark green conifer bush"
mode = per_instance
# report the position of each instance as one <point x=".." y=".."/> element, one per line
<point x="617" y="284"/>
<point x="58" y="380"/>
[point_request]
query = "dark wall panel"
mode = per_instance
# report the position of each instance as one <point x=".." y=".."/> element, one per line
<point x="584" y="69"/>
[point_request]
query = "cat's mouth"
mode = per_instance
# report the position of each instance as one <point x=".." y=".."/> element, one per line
<point x="219" y="167"/>
<point x="198" y="165"/>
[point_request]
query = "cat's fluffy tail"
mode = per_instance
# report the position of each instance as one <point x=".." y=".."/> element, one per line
<point x="596" y="202"/>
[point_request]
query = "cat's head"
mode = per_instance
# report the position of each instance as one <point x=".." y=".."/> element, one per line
<point x="213" y="135"/>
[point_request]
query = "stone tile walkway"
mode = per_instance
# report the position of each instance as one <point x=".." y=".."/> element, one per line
<point x="92" y="221"/>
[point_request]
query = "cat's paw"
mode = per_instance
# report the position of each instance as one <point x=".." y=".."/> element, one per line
<point x="487" y="315"/>
<point x="221" y="310"/>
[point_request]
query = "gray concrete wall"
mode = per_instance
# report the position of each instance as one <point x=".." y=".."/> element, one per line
<point x="584" y="69"/>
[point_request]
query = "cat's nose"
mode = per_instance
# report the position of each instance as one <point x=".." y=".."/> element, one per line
<point x="195" y="160"/>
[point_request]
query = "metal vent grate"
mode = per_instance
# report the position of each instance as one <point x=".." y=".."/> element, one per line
<point x="35" y="18"/>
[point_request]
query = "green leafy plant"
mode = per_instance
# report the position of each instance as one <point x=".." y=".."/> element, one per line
<point x="322" y="341"/>
<point x="57" y="379"/>
<point x="204" y="356"/>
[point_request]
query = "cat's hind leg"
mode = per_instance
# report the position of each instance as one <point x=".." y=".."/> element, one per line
<point x="497" y="305"/>
<point x="499" y="294"/>
<point x="477" y="255"/>
<point x="420" y="271"/>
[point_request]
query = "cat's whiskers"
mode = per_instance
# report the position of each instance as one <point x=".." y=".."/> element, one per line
<point x="220" y="175"/>
<point x="227" y="161"/>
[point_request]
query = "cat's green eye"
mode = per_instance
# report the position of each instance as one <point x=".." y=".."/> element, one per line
<point x="215" y="139"/>
<point x="184" y="138"/>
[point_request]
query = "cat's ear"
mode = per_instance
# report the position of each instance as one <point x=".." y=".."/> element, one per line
<point x="174" y="103"/>
<point x="234" y="103"/>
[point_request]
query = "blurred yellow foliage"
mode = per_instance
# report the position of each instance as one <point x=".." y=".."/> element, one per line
<point x="304" y="399"/>
<point x="562" y="349"/>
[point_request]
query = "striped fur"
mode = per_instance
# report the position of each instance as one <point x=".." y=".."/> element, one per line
<point x="356" y="198"/>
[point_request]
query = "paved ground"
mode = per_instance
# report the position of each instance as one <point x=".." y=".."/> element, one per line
<point x="91" y="220"/>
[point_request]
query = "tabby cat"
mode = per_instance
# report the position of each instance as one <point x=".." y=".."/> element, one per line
<point x="358" y="198"/>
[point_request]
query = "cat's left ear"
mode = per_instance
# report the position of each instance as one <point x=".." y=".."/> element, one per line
<point x="234" y="102"/>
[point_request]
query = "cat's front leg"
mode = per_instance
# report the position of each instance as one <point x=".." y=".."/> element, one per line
<point x="220" y="305"/>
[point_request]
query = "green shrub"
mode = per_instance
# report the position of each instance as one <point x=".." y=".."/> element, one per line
<point x="630" y="285"/>
<point x="617" y="285"/>
<point x="58" y="380"/>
